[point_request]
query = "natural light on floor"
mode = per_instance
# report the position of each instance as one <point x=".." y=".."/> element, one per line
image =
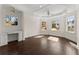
<point x="40" y="36"/>
<point x="53" y="38"/>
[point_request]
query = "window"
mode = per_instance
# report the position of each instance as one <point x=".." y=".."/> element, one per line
<point x="70" y="24"/>
<point x="55" y="26"/>
<point x="43" y="26"/>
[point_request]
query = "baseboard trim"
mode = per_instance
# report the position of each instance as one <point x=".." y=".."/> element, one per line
<point x="31" y="36"/>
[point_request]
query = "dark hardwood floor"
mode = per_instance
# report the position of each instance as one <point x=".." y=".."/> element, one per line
<point x="39" y="46"/>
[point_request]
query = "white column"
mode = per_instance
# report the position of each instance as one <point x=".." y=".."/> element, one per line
<point x="78" y="28"/>
<point x="77" y="8"/>
<point x="20" y="36"/>
<point x="3" y="39"/>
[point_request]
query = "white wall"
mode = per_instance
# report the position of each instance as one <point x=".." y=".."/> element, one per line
<point x="77" y="27"/>
<point x="2" y="34"/>
<point x="31" y="25"/>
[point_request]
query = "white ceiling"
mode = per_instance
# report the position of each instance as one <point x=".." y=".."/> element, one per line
<point x="35" y="7"/>
<point x="53" y="8"/>
<point x="28" y="7"/>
